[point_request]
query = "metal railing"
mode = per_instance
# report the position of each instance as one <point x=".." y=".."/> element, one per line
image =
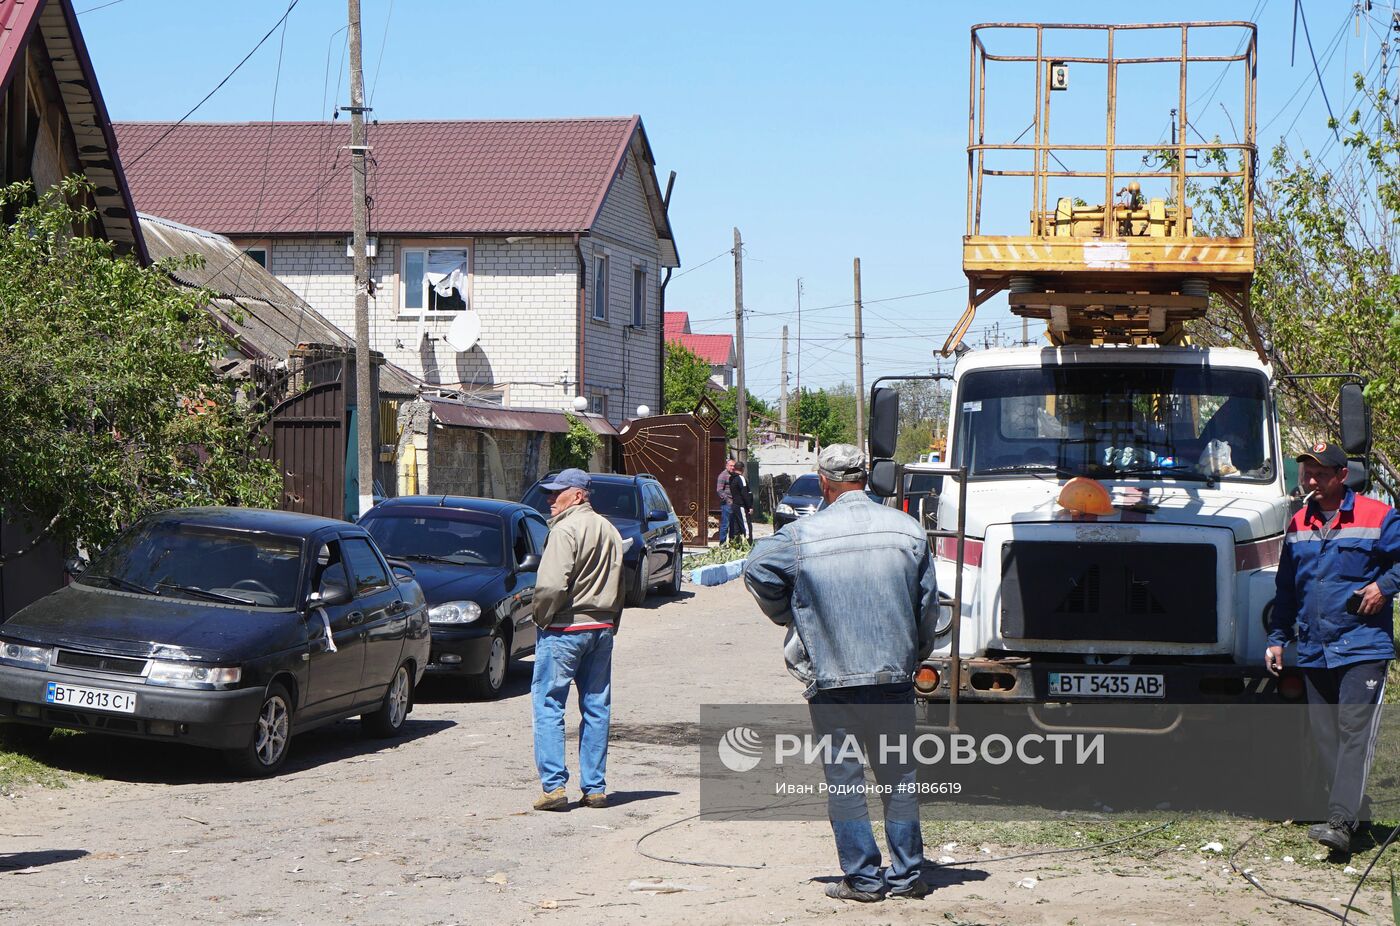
<point x="1043" y="150"/>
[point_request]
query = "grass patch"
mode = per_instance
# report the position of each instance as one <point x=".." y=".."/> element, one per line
<point x="1181" y="838"/>
<point x="24" y="767"/>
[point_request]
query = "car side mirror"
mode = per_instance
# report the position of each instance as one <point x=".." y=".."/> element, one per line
<point x="329" y="594"/>
<point x="530" y="563"/>
<point x="75" y="566"/>
<point x="656" y="514"/>
<point x="884" y="475"/>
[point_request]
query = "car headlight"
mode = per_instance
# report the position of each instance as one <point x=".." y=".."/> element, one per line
<point x="455" y="612"/>
<point x="179" y="674"/>
<point x="784" y="508"/>
<point x="944" y="623"/>
<point x="36" y="657"/>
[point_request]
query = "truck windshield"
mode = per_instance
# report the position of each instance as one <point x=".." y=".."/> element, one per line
<point x="1139" y="422"/>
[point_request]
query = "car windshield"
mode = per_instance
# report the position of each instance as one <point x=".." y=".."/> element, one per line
<point x="1141" y="422"/>
<point x="441" y="536"/>
<point x="197" y="562"/>
<point x="805" y="485"/>
<point x="610" y="499"/>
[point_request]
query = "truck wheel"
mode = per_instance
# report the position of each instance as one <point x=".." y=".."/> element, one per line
<point x="266" y="749"/>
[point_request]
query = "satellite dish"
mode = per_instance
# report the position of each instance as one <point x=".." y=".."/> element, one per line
<point x="464" y="332"/>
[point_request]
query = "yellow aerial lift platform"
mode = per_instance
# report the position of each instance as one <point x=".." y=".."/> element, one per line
<point x="1134" y="270"/>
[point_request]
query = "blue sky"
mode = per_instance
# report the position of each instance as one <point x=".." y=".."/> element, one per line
<point x="823" y="130"/>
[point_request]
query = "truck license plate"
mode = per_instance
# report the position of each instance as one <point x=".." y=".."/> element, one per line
<point x="1106" y="685"/>
<point x="98" y="699"/>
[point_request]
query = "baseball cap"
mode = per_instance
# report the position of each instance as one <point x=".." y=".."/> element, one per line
<point x="842" y="463"/>
<point x="568" y="479"/>
<point x="1324" y="453"/>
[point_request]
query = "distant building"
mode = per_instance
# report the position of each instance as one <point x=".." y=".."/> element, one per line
<point x="715" y="349"/>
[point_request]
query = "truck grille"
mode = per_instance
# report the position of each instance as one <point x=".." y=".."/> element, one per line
<point x="100" y="662"/>
<point x="1159" y="592"/>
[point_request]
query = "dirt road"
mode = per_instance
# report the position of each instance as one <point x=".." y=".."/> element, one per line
<point x="435" y="828"/>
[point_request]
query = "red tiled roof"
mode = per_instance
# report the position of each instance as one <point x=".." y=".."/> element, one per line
<point x="677" y="323"/>
<point x="714" y="349"/>
<point x="457" y="177"/>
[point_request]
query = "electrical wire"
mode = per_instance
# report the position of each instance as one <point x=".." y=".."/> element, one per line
<point x="173" y="126"/>
<point x="698" y="266"/>
<point x="100" y="6"/>
<point x="383" y="41"/>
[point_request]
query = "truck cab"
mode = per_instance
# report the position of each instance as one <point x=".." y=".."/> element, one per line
<point x="1164" y="593"/>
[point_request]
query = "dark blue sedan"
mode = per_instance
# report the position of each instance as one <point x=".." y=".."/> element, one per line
<point x="229" y="628"/>
<point x="475" y="559"/>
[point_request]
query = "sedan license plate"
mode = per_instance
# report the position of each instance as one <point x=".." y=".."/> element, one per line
<point x="97" y="699"/>
<point x="1106" y="685"/>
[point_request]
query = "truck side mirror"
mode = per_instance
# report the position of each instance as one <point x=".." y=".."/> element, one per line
<point x="1355" y="416"/>
<point x="1358" y="476"/>
<point x="884" y="423"/>
<point x="883" y="476"/>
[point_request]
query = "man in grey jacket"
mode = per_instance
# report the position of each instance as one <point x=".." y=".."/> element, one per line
<point x="578" y="605"/>
<point x="854" y="585"/>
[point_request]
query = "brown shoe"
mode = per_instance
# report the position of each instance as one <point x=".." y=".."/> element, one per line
<point x="552" y="800"/>
<point x="595" y="800"/>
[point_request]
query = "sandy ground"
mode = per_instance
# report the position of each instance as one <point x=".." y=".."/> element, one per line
<point x="435" y="828"/>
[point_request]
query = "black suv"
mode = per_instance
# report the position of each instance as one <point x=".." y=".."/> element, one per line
<point x="640" y="510"/>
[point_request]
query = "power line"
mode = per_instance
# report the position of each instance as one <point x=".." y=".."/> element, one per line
<point x="1302" y="14"/>
<point x="383" y="42"/>
<point x="163" y="135"/>
<point x="1304" y="82"/>
<point x="698" y="266"/>
<point x="100" y="6"/>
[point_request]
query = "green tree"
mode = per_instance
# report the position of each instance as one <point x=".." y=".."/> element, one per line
<point x="829" y="416"/>
<point x="683" y="380"/>
<point x="1326" y="289"/>
<point x="575" y="447"/>
<point x="728" y="404"/>
<point x="109" y="404"/>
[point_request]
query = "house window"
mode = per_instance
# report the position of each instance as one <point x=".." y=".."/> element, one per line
<point x="598" y="404"/>
<point x="438" y="279"/>
<point x="639" y="298"/>
<point x="257" y="254"/>
<point x="600" y="288"/>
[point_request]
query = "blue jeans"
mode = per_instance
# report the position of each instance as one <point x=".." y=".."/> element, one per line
<point x="726" y="514"/>
<point x="584" y="658"/>
<point x="836" y="712"/>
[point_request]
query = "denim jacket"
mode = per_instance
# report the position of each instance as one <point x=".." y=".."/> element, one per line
<point x="854" y="584"/>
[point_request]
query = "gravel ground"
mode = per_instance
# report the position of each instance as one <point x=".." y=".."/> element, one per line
<point x="436" y="828"/>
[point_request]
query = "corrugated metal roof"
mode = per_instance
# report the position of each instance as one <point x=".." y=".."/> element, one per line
<point x="266" y="317"/>
<point x="545" y="176"/>
<point x="460" y="414"/>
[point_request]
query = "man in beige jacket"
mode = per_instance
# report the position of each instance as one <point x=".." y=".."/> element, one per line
<point x="578" y="605"/>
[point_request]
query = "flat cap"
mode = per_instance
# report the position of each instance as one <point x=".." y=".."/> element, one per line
<point x="842" y="463"/>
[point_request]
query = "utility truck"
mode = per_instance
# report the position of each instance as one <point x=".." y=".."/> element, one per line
<point x="1114" y="499"/>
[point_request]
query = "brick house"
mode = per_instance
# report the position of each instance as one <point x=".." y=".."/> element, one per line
<point x="552" y="233"/>
<point x="715" y="349"/>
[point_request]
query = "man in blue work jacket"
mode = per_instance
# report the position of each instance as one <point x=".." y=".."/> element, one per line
<point x="1337" y="575"/>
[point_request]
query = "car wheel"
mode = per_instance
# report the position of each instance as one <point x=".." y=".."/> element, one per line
<point x="487" y="683"/>
<point x="388" y="720"/>
<point x="673" y="588"/>
<point x="637" y="588"/>
<point x="272" y="735"/>
<point x="23" y="735"/>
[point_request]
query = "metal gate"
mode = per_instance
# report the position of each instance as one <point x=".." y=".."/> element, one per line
<point x="685" y="453"/>
<point x="307" y="434"/>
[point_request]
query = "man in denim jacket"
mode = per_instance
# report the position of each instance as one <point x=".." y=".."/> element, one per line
<point x="854" y="585"/>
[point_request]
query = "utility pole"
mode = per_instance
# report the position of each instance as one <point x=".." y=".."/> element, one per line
<point x="364" y="401"/>
<point x="797" y="415"/>
<point x="860" y="368"/>
<point x="741" y="397"/>
<point x="782" y="389"/>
